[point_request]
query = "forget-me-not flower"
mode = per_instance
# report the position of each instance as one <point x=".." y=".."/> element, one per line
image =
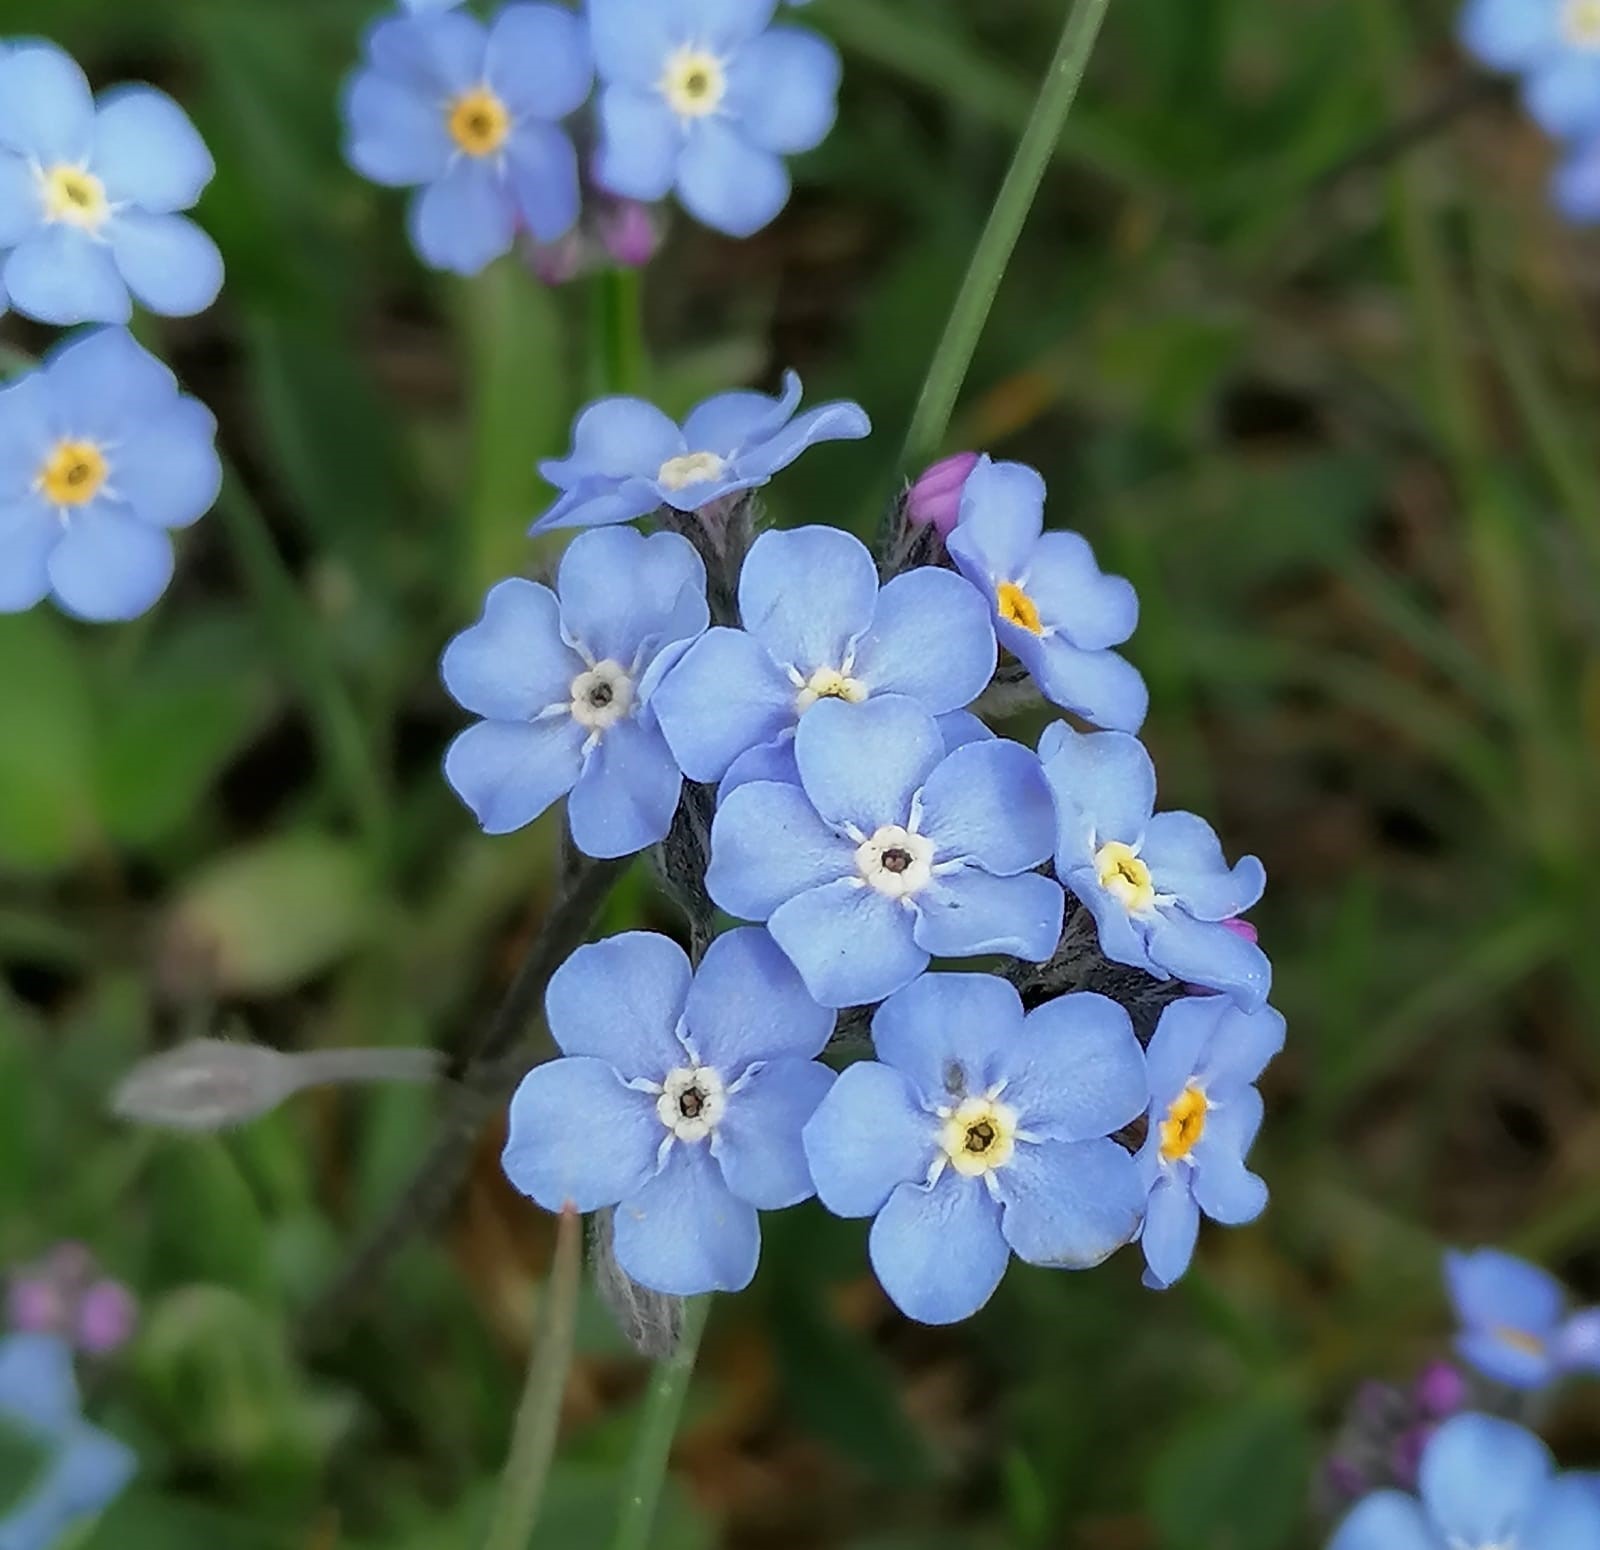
<point x="889" y="851"/>
<point x="91" y="194"/>
<point x="679" y="1100"/>
<point x="979" y="1132"/>
<point x="628" y="459"/>
<point x="83" y="1469"/>
<point x="818" y="627"/>
<point x="1515" y="1324"/>
<point x="706" y="98"/>
<point x="1483" y="1484"/>
<point x="1157" y="884"/>
<point x="100" y="455"/>
<point x="471" y="117"/>
<point x="1204" y="1115"/>
<point x="563" y="680"/>
<point x="1554" y="45"/>
<point x="1054" y="609"/>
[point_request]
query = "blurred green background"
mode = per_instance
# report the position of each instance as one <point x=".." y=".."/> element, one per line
<point x="1340" y="431"/>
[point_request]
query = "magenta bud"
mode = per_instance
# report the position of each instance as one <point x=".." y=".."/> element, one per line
<point x="629" y="233"/>
<point x="107" y="1315"/>
<point x="1242" y="928"/>
<point x="33" y="1305"/>
<point x="1345" y="1478"/>
<point x="556" y="263"/>
<point x="1406" y="1459"/>
<point x="936" y="496"/>
<point x="1441" y="1391"/>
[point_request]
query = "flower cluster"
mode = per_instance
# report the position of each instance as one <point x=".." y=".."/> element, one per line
<point x="1516" y="1327"/>
<point x="797" y="732"/>
<point x="698" y="99"/>
<point x="101" y="456"/>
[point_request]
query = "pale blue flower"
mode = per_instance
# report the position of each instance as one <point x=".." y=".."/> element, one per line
<point x="1575" y="183"/>
<point x="1554" y="45"/>
<point x="1515" y="1326"/>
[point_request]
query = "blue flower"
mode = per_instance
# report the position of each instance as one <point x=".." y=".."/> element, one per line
<point x="699" y="96"/>
<point x="1515" y="1327"/>
<point x="818" y="627"/>
<point x="564" y="681"/>
<point x="978" y="1133"/>
<point x="1158" y="886"/>
<point x="1554" y="45"/>
<point x="1053" y="608"/>
<point x="1204" y="1115"/>
<point x="471" y="116"/>
<point x="679" y="1101"/>
<point x="628" y="459"/>
<point x="99" y="456"/>
<point x="85" y="1469"/>
<point x="90" y="194"/>
<point x="1575" y="183"/>
<point x="1484" y="1484"/>
<point x="889" y="851"/>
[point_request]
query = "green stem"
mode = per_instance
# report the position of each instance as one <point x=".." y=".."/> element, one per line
<point x="617" y="352"/>
<point x="647" y="1466"/>
<point x="533" y="1441"/>
<point x="953" y="358"/>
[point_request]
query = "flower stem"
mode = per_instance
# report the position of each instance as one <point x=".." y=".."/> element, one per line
<point x="533" y="1440"/>
<point x="617" y="349"/>
<point x="647" y="1465"/>
<point x="953" y="358"/>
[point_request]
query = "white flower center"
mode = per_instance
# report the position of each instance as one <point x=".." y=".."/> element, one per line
<point x="828" y="683"/>
<point x="895" y="861"/>
<point x="692" y="1102"/>
<point x="678" y="473"/>
<point x="602" y="696"/>
<point x="694" y="82"/>
<point x="1580" y="25"/>
<point x="979" y="1135"/>
<point x="74" y="196"/>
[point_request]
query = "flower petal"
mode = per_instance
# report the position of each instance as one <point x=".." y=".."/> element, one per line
<point x="841" y="421"/>
<point x="28" y="533"/>
<point x="21" y="209"/>
<point x="465" y="220"/>
<point x="806" y="594"/>
<point x="1480" y="1476"/>
<point x="538" y="61"/>
<point x="615" y="438"/>
<point x="1509" y="34"/>
<point x="850" y="944"/>
<point x="728" y="184"/>
<point x="1104" y="786"/>
<point x="951" y="1035"/>
<point x="758" y="1140"/>
<point x="938" y="1252"/>
<point x="105" y="383"/>
<point x="1566" y="1516"/>
<point x="168" y="471"/>
<point x="37" y="1382"/>
<point x="748" y="1004"/>
<point x="1207" y="953"/>
<point x="394" y="134"/>
<point x="46" y="110"/>
<point x="1171" y="1229"/>
<point x="766" y="761"/>
<point x="632" y="39"/>
<point x="728" y="422"/>
<point x="988" y="801"/>
<point x="1069" y="1204"/>
<point x="623" y="594"/>
<point x="640" y="143"/>
<point x="1185" y="860"/>
<point x="1182" y="1039"/>
<point x="509" y="772"/>
<point x="438" y="56"/>
<point x="784" y="90"/>
<point x="172" y="266"/>
<point x="109" y="565"/>
<point x="723" y="24"/>
<point x="969" y="912"/>
<point x="61" y="275"/>
<point x="725" y="697"/>
<point x="931" y="638"/>
<point x="1386" y="1520"/>
<point x="1076" y="1072"/>
<point x="686" y="1232"/>
<point x="767" y="845"/>
<point x="621" y="1000"/>
<point x="861" y="764"/>
<point x="543" y="168"/>
<point x="1563" y="94"/>
<point x="1002" y="516"/>
<point x="513" y="663"/>
<point x="1226" y="1190"/>
<point x="868" y="1136"/>
<point x="1100" y="686"/>
<point x="148" y="153"/>
<point x="1074" y="595"/>
<point x="1491" y="1289"/>
<point x="625" y="799"/>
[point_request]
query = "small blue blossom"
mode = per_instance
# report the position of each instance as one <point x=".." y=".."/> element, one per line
<point x="85" y="1469"/>
<point x="1515" y="1327"/>
<point x="979" y="1132"/>
<point x="470" y="116"/>
<point x="564" y="680"/>
<point x="889" y="851"/>
<point x="1483" y="1484"/>
<point x="100" y="455"/>
<point x="1054" y="610"/>
<point x="702" y="98"/>
<point x="90" y="195"/>
<point x="628" y="459"/>
<point x="1157" y="884"/>
<point x="679" y="1100"/>
<point x="1554" y="45"/>
<point x="818" y="627"/>
<point x="1204" y="1115"/>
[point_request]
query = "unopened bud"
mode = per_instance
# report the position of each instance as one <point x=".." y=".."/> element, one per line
<point x="629" y="232"/>
<point x="935" y="498"/>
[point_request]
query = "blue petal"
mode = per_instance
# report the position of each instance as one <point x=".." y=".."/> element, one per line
<point x="1171" y="1229"/>
<point x="757" y="1141"/>
<point x="725" y="697"/>
<point x="28" y="533"/>
<point x="969" y="913"/>
<point x="28" y="429"/>
<point x="625" y="798"/>
<point x="1566" y="1516"/>
<point x="939" y="1252"/>
<point x="784" y="90"/>
<point x="767" y="845"/>
<point x="1182" y="1038"/>
<point x="623" y="593"/>
<point x="37" y="1386"/>
<point x="930" y="638"/>
<point x="1227" y="1191"/>
<point x="148" y="153"/>
<point x="1185" y="859"/>
<point x="1243" y="1045"/>
<point x="806" y="594"/>
<point x="1491" y="1289"/>
<point x="1069" y="1204"/>
<point x="105" y="385"/>
<point x="21" y="209"/>
<point x="860" y="764"/>
<point x="63" y="276"/>
<point x="396" y="135"/>
<point x="558" y="1114"/>
<point x="615" y="438"/>
<point x="1074" y="596"/>
<point x="1105" y="789"/>
<point x="640" y="143"/>
<point x="1510" y="34"/>
<point x="1076" y="1072"/>
<point x="543" y="168"/>
<point x="1100" y="686"/>
<point x="747" y="1004"/>
<point x="989" y="801"/>
<point x="767" y="761"/>
<point x="960" y="727"/>
<point x="598" y="502"/>
<point x="1123" y="939"/>
<point x="723" y="24"/>
<point x="91" y="1472"/>
<point x="538" y="61"/>
<point x="1200" y="952"/>
<point x="731" y="421"/>
<point x="509" y="772"/>
<point x="840" y="421"/>
<point x="951" y="1035"/>
<point x="850" y="944"/>
<point x="439" y="56"/>
<point x="1563" y="96"/>
<point x="1575" y="184"/>
<point x="868" y="1136"/>
<point x="465" y="220"/>
<point x="46" y="110"/>
<point x="109" y="566"/>
<point x="169" y="471"/>
<point x="621" y="1000"/>
<point x="513" y="663"/>
<point x="632" y="39"/>
<point x="1002" y="516"/>
<point x="728" y="184"/>
<point x="1386" y="1520"/>
<point x="1578" y="1343"/>
<point x="172" y="266"/>
<point x="1502" y="1362"/>
<point x="686" y="1232"/>
<point x="1480" y="1476"/>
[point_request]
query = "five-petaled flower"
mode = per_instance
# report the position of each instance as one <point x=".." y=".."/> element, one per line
<point x="100" y="455"/>
<point x="628" y="459"/>
<point x="889" y="851"/>
<point x="1157" y="883"/>
<point x="1515" y="1324"/>
<point x="705" y="97"/>
<point x="979" y="1132"/>
<point x="91" y="194"/>
<point x="817" y="627"/>
<point x="1554" y="45"/>
<point x="1204" y="1115"/>
<point x="1054" y="609"/>
<point x="472" y="116"/>
<point x="679" y="1100"/>
<point x="563" y="680"/>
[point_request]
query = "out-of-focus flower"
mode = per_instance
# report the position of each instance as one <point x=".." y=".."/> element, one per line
<point x="1515" y="1327"/>
<point x="935" y="498"/>
<point x="1554" y="45"/>
<point x="679" y="1100"/>
<point x="64" y="1294"/>
<point x="1575" y="184"/>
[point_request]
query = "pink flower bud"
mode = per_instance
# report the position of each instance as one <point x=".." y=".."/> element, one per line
<point x="107" y="1314"/>
<point x="1441" y="1391"/>
<point x="936" y="496"/>
<point x="1242" y="928"/>
<point x="34" y="1306"/>
<point x="629" y="233"/>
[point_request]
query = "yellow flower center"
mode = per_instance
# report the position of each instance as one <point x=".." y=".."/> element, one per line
<point x="694" y="83"/>
<point x="1125" y="876"/>
<point x="1580" y="22"/>
<point x="74" y="196"/>
<point x="828" y="683"/>
<point x="1017" y="608"/>
<point x="1520" y="1340"/>
<point x="73" y="473"/>
<point x="678" y="473"/>
<point x="480" y="122"/>
<point x="979" y="1136"/>
<point x="1184" y="1125"/>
